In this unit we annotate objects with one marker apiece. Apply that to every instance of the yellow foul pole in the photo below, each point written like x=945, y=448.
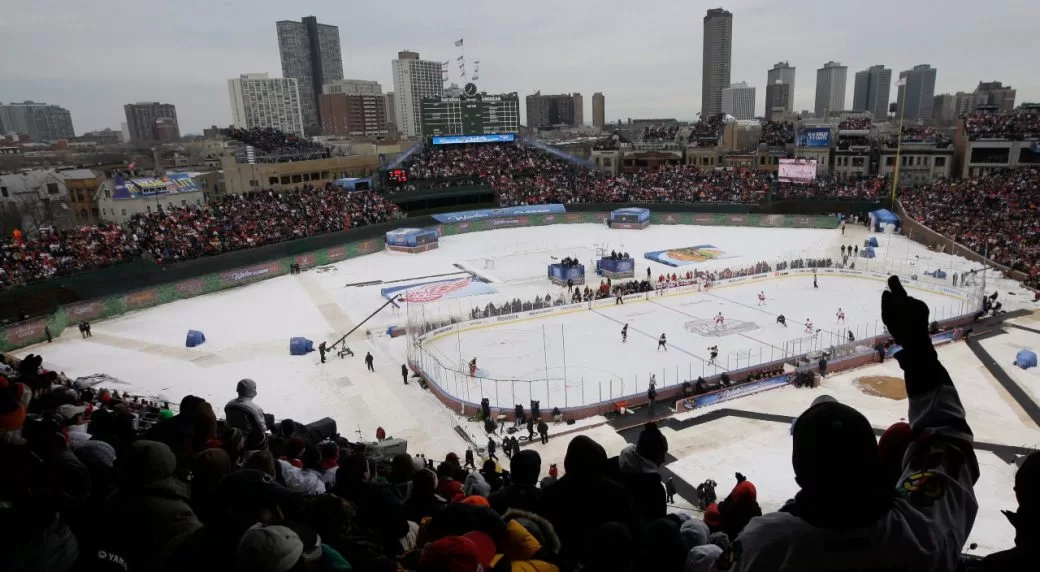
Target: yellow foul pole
x=899, y=149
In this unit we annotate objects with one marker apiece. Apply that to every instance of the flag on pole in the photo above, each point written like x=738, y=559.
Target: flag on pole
x=459, y=59
x=901, y=82
x=458, y=43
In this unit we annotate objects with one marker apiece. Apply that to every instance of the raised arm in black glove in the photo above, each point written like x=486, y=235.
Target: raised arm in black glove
x=907, y=321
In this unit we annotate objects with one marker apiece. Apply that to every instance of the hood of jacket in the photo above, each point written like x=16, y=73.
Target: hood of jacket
x=633, y=463
x=522, y=550
x=537, y=526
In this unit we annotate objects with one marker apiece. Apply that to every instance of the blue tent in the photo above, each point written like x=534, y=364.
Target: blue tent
x=867, y=252
x=1025, y=359
x=882, y=217
x=300, y=346
x=194, y=338
x=872, y=241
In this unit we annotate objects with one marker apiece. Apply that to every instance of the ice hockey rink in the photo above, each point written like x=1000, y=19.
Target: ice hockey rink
x=248, y=331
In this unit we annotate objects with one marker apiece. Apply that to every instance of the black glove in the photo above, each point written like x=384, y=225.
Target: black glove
x=905, y=317
x=740, y=478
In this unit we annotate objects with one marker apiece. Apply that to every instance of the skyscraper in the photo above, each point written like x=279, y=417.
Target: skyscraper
x=142, y=119
x=943, y=107
x=311, y=55
x=40, y=121
x=549, y=110
x=918, y=94
x=782, y=72
x=414, y=79
x=738, y=100
x=997, y=94
x=598, y=115
x=830, y=88
x=778, y=95
x=260, y=101
x=872, y=89
x=390, y=105
x=718, y=49
x=353, y=107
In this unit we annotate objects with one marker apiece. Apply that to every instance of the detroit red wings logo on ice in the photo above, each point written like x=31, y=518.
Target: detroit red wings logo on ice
x=432, y=292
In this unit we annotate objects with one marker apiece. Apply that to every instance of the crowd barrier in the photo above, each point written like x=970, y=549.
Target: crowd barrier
x=463, y=392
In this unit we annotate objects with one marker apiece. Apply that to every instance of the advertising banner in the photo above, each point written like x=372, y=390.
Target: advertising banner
x=819, y=137
x=459, y=217
x=734, y=392
x=336, y=253
x=687, y=255
x=797, y=171
x=25, y=333
x=507, y=222
x=305, y=260
x=463, y=139
x=249, y=273
x=141, y=299
x=85, y=311
x=189, y=288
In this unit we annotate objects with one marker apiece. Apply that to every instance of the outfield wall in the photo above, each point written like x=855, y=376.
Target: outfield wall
x=33, y=330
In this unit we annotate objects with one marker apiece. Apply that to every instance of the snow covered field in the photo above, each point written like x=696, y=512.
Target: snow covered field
x=248, y=331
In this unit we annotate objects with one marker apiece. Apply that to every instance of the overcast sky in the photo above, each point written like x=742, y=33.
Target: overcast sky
x=645, y=56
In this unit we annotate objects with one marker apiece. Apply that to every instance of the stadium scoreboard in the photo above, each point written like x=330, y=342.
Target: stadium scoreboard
x=470, y=114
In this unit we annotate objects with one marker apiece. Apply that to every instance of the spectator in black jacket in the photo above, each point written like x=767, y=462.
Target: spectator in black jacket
x=1026, y=520
x=584, y=498
x=378, y=508
x=523, y=492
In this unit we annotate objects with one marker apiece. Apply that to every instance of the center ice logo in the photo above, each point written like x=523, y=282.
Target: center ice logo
x=708, y=329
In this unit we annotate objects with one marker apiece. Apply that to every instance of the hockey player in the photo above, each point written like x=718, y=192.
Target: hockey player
x=814, y=284
x=662, y=342
x=851, y=337
x=781, y=320
x=720, y=320
x=714, y=355
x=473, y=367
x=841, y=316
x=808, y=325
x=624, y=334
x=762, y=298
x=653, y=379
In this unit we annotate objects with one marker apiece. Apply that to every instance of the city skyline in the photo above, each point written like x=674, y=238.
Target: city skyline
x=647, y=79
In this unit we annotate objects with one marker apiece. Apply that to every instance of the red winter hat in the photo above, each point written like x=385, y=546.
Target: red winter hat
x=744, y=492
x=14, y=398
x=712, y=517
x=471, y=552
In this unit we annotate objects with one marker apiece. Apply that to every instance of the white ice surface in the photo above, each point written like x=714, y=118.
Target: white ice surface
x=248, y=331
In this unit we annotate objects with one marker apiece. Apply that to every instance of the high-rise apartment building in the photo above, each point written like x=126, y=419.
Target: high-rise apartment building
x=738, y=100
x=414, y=79
x=142, y=120
x=598, y=112
x=261, y=101
x=778, y=95
x=549, y=110
x=717, y=53
x=353, y=107
x=966, y=102
x=40, y=121
x=830, y=88
x=782, y=73
x=390, y=106
x=917, y=93
x=944, y=108
x=871, y=91
x=311, y=55
x=353, y=87
x=997, y=94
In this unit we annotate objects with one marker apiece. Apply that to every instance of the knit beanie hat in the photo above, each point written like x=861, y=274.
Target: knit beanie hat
x=525, y=467
x=835, y=450
x=268, y=549
x=694, y=533
x=652, y=444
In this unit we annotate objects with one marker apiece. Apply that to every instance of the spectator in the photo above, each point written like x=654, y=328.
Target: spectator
x=378, y=509
x=522, y=493
x=266, y=548
x=1026, y=520
x=243, y=413
x=575, y=504
x=838, y=468
x=423, y=501
x=637, y=469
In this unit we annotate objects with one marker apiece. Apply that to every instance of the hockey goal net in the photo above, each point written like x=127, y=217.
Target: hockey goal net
x=489, y=263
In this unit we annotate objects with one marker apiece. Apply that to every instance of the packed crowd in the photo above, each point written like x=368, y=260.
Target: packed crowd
x=659, y=134
x=272, y=140
x=854, y=123
x=707, y=128
x=829, y=187
x=234, y=222
x=1018, y=125
x=777, y=133
x=997, y=215
x=86, y=486
x=229, y=223
x=61, y=253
